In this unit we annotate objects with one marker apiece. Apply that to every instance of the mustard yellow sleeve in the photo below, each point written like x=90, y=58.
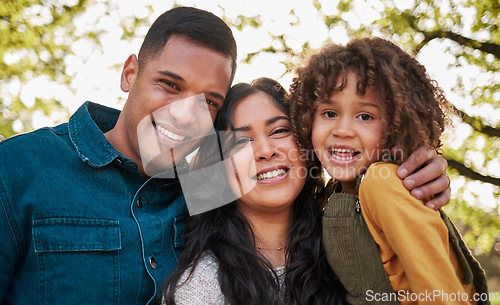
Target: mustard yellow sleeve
x=412, y=239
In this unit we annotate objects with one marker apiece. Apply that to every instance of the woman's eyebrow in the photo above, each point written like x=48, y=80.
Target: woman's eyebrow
x=276, y=118
x=243, y=128
x=267, y=123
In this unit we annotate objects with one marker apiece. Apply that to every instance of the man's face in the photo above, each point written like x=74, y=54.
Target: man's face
x=172, y=102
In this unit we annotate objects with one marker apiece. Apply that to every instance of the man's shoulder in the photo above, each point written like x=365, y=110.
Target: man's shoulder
x=29, y=153
x=36, y=139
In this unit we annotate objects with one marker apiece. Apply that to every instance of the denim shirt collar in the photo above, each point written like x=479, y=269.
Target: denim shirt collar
x=86, y=131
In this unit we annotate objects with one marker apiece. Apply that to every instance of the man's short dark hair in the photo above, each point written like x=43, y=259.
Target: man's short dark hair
x=199, y=25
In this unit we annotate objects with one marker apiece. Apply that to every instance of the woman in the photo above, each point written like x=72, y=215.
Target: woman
x=265, y=247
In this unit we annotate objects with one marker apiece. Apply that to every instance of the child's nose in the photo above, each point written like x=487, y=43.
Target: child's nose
x=343, y=127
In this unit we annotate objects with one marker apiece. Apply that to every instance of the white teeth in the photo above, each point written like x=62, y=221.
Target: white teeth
x=343, y=158
x=271, y=174
x=169, y=134
x=342, y=150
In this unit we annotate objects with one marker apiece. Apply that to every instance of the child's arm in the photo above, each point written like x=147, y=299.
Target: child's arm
x=413, y=240
x=430, y=180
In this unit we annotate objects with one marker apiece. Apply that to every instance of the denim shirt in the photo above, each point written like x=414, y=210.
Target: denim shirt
x=78, y=224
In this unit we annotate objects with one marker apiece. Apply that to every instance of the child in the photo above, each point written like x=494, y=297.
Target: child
x=352, y=104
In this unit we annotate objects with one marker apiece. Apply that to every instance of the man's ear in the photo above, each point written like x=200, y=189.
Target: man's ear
x=129, y=73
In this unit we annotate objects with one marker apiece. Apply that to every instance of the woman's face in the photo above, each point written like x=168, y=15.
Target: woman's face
x=269, y=171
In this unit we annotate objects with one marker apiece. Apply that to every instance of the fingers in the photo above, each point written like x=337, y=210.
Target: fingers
x=439, y=187
x=418, y=158
x=431, y=180
x=428, y=175
x=440, y=200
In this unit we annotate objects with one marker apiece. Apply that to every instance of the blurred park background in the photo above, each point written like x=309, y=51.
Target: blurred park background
x=56, y=54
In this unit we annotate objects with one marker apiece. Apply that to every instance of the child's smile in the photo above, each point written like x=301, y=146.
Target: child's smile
x=347, y=132
x=344, y=154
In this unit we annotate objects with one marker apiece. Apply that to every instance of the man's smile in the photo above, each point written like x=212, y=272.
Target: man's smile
x=169, y=134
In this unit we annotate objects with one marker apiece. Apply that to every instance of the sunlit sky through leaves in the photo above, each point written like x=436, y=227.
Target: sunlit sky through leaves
x=95, y=70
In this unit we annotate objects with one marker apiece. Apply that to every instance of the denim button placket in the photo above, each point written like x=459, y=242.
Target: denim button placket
x=152, y=262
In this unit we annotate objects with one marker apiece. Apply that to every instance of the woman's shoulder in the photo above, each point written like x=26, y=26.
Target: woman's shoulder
x=208, y=260
x=206, y=269
x=200, y=284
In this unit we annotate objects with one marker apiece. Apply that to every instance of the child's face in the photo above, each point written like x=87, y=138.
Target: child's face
x=347, y=132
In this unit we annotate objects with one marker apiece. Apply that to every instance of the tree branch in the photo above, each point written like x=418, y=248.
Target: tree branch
x=477, y=125
x=486, y=47
x=469, y=173
x=427, y=38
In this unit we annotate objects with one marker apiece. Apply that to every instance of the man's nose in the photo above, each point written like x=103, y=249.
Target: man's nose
x=184, y=112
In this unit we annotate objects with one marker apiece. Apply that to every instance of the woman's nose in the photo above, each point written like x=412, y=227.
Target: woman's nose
x=264, y=149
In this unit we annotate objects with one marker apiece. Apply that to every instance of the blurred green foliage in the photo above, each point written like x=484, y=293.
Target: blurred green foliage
x=35, y=37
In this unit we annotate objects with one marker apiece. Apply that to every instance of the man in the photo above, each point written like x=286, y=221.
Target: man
x=81, y=220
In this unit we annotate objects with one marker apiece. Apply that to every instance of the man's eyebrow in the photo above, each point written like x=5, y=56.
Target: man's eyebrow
x=267, y=123
x=216, y=95
x=179, y=78
x=172, y=75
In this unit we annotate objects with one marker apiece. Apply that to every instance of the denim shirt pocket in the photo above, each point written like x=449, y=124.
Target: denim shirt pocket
x=178, y=229
x=78, y=260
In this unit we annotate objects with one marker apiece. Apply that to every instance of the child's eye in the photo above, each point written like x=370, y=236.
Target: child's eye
x=329, y=114
x=365, y=117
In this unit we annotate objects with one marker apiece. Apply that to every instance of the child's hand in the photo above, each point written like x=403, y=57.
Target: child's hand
x=429, y=179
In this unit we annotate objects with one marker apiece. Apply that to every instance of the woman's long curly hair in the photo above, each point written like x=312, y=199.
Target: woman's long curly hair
x=415, y=111
x=245, y=276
